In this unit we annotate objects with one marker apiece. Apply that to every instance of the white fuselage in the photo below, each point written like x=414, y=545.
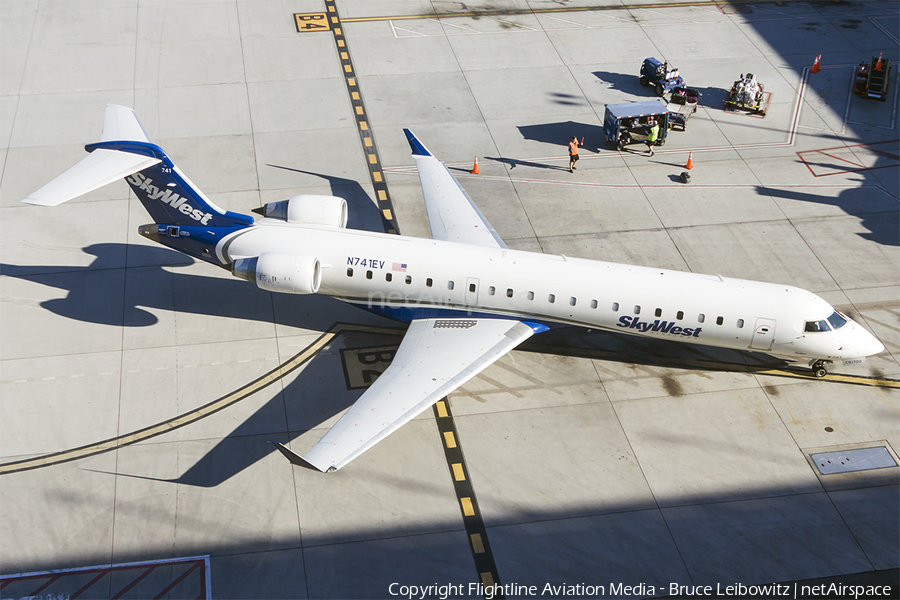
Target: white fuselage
x=397, y=272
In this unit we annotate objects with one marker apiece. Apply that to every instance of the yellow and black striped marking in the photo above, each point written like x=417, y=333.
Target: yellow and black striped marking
x=481, y=549
x=376, y=174
x=468, y=504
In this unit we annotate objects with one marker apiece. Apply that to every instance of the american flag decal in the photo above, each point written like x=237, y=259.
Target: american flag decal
x=399, y=267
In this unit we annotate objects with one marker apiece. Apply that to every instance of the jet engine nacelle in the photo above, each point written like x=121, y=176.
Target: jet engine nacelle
x=309, y=210
x=286, y=273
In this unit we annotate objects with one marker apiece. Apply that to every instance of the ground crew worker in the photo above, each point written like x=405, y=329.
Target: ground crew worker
x=653, y=135
x=573, y=153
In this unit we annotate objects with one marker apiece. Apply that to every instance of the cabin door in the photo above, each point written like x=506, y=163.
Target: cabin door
x=471, y=291
x=763, y=335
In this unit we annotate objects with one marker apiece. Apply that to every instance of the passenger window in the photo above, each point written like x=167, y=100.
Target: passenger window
x=408, y=279
x=740, y=323
x=593, y=304
x=637, y=309
x=388, y=276
x=719, y=320
x=492, y=290
x=572, y=301
x=531, y=295
x=701, y=317
x=615, y=307
x=837, y=320
x=349, y=271
x=368, y=274
x=658, y=312
x=449, y=285
x=551, y=298
x=509, y=293
x=471, y=287
x=679, y=315
x=428, y=282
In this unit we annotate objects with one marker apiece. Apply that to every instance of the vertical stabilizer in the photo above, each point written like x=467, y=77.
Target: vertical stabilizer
x=121, y=123
x=126, y=151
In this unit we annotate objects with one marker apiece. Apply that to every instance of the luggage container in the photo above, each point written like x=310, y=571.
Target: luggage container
x=629, y=123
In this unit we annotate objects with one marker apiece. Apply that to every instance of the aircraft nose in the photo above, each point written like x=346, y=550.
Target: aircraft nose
x=866, y=343
x=874, y=346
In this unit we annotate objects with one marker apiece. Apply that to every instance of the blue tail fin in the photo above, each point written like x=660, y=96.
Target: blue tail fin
x=167, y=193
x=126, y=150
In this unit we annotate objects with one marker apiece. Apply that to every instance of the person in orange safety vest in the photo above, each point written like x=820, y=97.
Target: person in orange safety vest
x=573, y=153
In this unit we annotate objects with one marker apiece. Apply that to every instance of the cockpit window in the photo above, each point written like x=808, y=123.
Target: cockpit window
x=837, y=320
x=813, y=326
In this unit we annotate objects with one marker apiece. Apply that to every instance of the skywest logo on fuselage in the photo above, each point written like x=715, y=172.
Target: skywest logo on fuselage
x=658, y=326
x=169, y=197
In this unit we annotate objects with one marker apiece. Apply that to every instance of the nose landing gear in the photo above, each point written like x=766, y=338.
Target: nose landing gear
x=818, y=368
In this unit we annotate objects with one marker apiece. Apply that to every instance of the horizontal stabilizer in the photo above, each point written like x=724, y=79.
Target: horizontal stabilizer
x=97, y=169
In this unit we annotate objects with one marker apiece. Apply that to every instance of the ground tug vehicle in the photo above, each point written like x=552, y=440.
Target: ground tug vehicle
x=660, y=76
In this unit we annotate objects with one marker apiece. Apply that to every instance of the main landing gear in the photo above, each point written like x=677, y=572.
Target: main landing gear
x=818, y=368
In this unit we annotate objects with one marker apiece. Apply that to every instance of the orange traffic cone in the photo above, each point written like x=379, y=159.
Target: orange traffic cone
x=816, y=64
x=475, y=168
x=878, y=66
x=690, y=162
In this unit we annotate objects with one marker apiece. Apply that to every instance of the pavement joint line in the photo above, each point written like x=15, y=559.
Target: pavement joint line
x=298, y=360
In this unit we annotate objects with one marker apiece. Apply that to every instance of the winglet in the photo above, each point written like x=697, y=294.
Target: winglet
x=418, y=149
x=294, y=458
x=536, y=327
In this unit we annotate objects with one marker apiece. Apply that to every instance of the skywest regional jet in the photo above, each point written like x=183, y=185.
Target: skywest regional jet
x=467, y=297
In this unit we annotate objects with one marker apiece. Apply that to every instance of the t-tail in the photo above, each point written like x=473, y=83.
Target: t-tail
x=179, y=209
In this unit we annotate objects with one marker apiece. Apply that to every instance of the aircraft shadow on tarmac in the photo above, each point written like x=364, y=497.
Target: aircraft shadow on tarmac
x=320, y=391
x=153, y=287
x=877, y=210
x=866, y=205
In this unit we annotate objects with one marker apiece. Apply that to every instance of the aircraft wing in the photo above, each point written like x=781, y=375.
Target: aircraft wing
x=452, y=215
x=435, y=357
